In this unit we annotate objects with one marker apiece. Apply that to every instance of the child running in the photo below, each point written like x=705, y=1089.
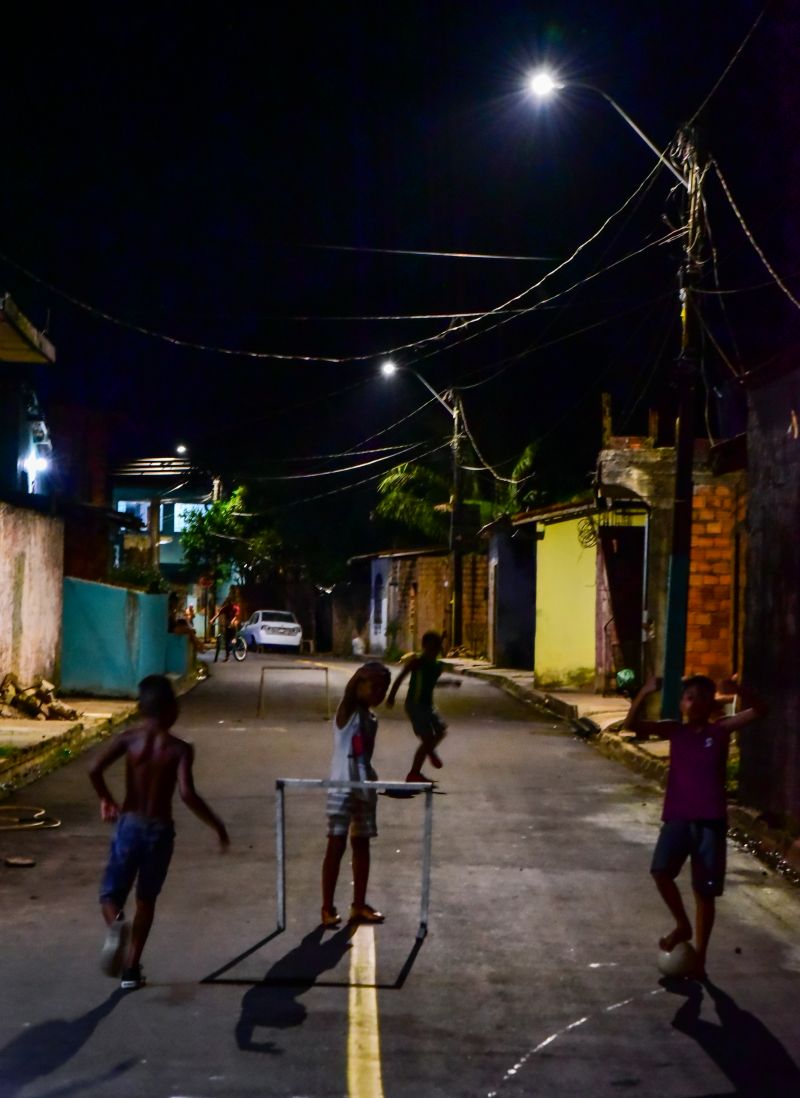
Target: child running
x=425, y=670
x=353, y=810
x=155, y=762
x=695, y=811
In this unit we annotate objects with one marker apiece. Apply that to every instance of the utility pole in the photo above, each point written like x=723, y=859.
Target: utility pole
x=457, y=528
x=686, y=374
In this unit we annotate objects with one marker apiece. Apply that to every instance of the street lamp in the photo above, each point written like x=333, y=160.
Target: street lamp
x=450, y=402
x=544, y=84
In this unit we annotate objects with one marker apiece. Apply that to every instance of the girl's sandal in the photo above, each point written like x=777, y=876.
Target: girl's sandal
x=365, y=914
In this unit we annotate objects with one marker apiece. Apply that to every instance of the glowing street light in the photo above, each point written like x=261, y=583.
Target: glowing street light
x=450, y=402
x=389, y=368
x=181, y=449
x=543, y=84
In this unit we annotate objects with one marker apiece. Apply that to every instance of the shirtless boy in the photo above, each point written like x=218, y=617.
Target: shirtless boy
x=155, y=762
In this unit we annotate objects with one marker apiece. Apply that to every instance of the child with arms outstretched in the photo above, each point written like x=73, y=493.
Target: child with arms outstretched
x=695, y=812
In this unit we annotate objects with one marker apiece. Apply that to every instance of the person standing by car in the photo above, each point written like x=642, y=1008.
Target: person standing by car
x=229, y=615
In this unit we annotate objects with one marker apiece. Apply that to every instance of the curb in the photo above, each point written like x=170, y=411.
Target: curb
x=36, y=760
x=554, y=706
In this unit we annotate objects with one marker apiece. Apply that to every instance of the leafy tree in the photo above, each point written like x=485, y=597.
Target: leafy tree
x=417, y=497
x=226, y=534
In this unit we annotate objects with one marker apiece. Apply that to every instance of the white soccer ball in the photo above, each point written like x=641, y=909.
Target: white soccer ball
x=680, y=961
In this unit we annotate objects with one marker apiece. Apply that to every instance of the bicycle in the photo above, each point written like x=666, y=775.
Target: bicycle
x=238, y=647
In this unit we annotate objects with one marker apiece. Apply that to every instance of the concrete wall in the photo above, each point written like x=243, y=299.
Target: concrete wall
x=112, y=638
x=31, y=576
x=566, y=583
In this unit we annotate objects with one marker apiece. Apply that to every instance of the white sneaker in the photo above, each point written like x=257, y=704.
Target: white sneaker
x=114, y=946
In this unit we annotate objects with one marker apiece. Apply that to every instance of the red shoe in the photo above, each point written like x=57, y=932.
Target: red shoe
x=435, y=760
x=417, y=776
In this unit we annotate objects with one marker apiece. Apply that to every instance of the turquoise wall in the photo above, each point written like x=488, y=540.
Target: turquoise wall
x=179, y=654
x=112, y=638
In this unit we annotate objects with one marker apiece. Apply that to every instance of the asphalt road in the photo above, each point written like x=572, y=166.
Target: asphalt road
x=537, y=977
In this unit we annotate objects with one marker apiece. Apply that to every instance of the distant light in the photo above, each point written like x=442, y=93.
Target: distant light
x=180, y=449
x=388, y=368
x=543, y=83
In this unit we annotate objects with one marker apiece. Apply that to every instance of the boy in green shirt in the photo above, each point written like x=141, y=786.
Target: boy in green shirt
x=425, y=670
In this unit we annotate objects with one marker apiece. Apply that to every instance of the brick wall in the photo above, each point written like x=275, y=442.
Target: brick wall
x=420, y=600
x=475, y=614
x=714, y=629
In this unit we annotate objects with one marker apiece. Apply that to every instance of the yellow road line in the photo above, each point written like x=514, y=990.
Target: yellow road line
x=364, y=1078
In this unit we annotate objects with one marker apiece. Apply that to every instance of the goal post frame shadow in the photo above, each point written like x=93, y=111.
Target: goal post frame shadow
x=301, y=665
x=409, y=788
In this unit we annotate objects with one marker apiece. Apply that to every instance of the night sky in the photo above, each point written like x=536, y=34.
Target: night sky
x=181, y=169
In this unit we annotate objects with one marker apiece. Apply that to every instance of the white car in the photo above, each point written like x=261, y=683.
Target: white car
x=272, y=629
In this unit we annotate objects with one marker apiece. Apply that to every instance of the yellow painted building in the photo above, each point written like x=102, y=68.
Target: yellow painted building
x=566, y=586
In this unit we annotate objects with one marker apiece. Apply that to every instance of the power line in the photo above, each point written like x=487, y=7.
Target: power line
x=481, y=458
x=345, y=469
x=344, y=453
x=730, y=64
x=186, y=344
x=674, y=235
x=441, y=255
x=358, y=483
x=745, y=229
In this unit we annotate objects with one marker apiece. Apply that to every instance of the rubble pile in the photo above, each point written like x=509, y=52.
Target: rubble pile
x=37, y=702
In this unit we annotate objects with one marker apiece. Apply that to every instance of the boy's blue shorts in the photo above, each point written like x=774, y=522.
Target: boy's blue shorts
x=425, y=720
x=141, y=850
x=704, y=841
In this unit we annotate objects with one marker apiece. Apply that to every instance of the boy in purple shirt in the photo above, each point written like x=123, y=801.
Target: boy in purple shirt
x=695, y=811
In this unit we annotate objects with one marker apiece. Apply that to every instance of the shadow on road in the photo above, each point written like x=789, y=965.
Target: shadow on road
x=43, y=1049
x=741, y=1046
x=274, y=1003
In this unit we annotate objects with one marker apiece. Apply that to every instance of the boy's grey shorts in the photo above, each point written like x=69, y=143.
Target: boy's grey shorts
x=425, y=720
x=355, y=815
x=704, y=841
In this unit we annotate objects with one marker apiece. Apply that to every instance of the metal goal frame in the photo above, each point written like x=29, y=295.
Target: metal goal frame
x=282, y=784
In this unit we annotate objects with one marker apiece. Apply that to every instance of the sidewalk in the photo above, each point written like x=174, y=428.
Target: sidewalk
x=600, y=721
x=32, y=748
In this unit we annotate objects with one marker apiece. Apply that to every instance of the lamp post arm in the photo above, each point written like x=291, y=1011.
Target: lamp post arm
x=450, y=411
x=639, y=132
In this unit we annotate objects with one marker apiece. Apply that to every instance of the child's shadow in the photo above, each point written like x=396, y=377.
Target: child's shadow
x=741, y=1046
x=41, y=1050
x=273, y=1004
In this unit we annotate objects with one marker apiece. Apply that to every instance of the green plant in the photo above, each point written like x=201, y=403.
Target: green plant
x=139, y=577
